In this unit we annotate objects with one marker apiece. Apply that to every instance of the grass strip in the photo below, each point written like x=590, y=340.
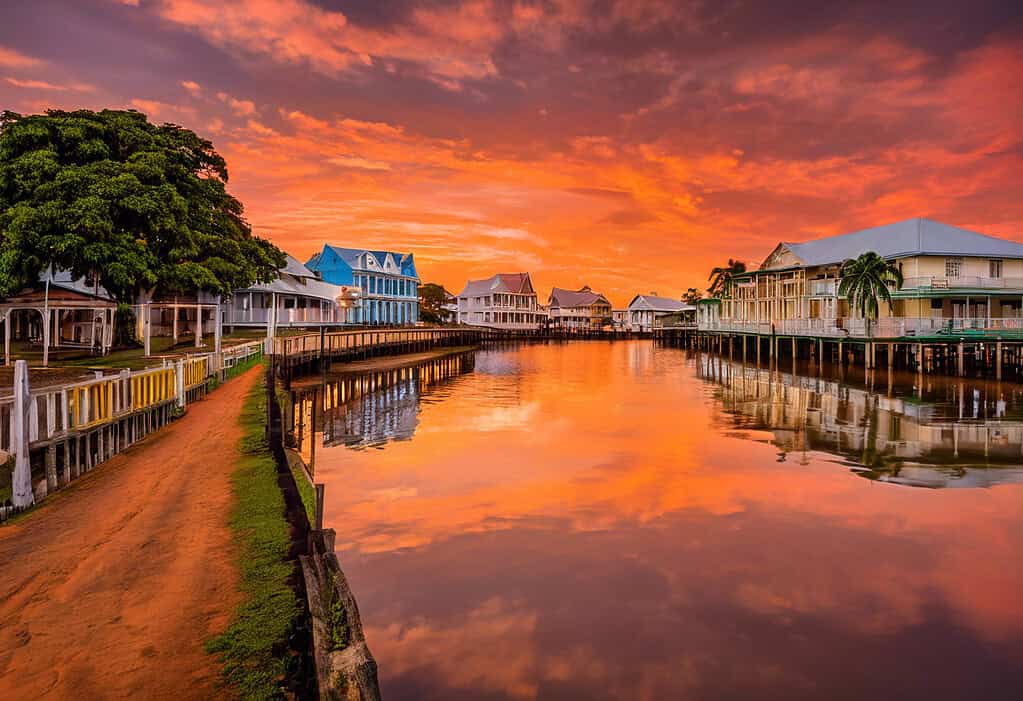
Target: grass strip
x=254, y=649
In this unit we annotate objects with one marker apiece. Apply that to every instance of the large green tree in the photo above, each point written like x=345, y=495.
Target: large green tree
x=138, y=205
x=432, y=298
x=866, y=281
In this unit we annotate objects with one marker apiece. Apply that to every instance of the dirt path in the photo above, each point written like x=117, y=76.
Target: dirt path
x=111, y=590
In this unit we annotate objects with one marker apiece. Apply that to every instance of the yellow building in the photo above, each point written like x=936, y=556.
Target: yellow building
x=954, y=281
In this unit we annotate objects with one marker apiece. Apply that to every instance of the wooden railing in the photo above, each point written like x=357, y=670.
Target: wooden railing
x=337, y=342
x=58, y=413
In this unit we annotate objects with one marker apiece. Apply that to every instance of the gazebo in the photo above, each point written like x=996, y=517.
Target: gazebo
x=58, y=312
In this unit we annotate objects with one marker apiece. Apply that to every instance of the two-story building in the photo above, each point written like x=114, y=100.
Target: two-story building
x=953, y=279
x=387, y=281
x=505, y=301
x=581, y=309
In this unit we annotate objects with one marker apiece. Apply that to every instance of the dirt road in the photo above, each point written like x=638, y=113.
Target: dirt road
x=111, y=590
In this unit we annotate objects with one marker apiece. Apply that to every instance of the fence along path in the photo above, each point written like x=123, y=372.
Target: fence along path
x=80, y=425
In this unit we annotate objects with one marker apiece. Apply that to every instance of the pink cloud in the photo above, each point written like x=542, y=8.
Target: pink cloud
x=9, y=58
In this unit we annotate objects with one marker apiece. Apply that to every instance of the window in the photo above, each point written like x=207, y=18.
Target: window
x=994, y=268
x=953, y=267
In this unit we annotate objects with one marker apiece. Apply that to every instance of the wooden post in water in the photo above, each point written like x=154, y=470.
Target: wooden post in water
x=318, y=518
x=998, y=360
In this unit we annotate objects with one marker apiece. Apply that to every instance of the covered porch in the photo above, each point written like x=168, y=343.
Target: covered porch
x=48, y=317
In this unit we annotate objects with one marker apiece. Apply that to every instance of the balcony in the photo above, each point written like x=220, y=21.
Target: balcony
x=963, y=282
x=823, y=288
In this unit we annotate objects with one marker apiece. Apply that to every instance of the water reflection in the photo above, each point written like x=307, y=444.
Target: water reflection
x=592, y=521
x=369, y=409
x=934, y=432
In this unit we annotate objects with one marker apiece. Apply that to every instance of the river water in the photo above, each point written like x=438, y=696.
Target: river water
x=622, y=521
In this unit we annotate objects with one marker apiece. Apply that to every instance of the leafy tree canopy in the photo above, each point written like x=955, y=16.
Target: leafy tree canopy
x=432, y=298
x=721, y=277
x=141, y=206
x=866, y=281
x=692, y=296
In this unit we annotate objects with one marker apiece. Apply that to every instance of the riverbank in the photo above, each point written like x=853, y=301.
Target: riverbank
x=263, y=648
x=112, y=585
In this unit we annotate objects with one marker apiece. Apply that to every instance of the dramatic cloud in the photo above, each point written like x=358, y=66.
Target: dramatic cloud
x=629, y=146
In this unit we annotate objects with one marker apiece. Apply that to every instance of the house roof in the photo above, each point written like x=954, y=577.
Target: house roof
x=659, y=304
x=63, y=279
x=350, y=255
x=293, y=267
x=514, y=283
x=297, y=279
x=911, y=237
x=575, y=298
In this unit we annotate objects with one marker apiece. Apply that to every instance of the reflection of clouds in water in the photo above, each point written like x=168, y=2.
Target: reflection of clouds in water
x=634, y=552
x=486, y=650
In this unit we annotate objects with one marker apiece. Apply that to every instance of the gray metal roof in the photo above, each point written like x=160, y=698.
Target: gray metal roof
x=659, y=304
x=911, y=237
x=293, y=267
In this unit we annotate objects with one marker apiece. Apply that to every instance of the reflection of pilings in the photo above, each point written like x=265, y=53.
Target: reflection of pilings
x=373, y=405
x=963, y=422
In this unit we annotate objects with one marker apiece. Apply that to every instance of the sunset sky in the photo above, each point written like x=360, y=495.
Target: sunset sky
x=629, y=146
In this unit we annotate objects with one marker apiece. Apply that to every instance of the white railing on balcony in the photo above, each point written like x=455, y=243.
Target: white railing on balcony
x=962, y=282
x=823, y=288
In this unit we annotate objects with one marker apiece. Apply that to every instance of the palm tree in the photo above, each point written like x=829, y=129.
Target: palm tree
x=721, y=277
x=865, y=281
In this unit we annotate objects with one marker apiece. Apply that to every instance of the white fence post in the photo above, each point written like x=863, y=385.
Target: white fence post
x=21, y=483
x=179, y=382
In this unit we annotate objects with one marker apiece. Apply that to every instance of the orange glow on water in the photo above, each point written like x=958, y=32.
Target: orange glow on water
x=552, y=484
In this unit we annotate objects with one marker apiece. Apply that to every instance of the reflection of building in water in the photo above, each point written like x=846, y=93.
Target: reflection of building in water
x=945, y=437
x=371, y=408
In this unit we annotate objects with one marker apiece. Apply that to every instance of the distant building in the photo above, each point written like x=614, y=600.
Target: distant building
x=578, y=309
x=620, y=319
x=953, y=279
x=505, y=301
x=387, y=281
x=296, y=298
x=647, y=311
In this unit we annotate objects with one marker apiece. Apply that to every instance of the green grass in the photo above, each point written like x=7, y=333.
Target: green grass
x=6, y=479
x=305, y=490
x=254, y=649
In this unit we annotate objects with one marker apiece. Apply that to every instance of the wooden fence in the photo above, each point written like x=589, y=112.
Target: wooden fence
x=84, y=423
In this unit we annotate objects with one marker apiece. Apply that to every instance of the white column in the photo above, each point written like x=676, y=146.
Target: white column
x=46, y=337
x=21, y=481
x=217, y=332
x=198, y=325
